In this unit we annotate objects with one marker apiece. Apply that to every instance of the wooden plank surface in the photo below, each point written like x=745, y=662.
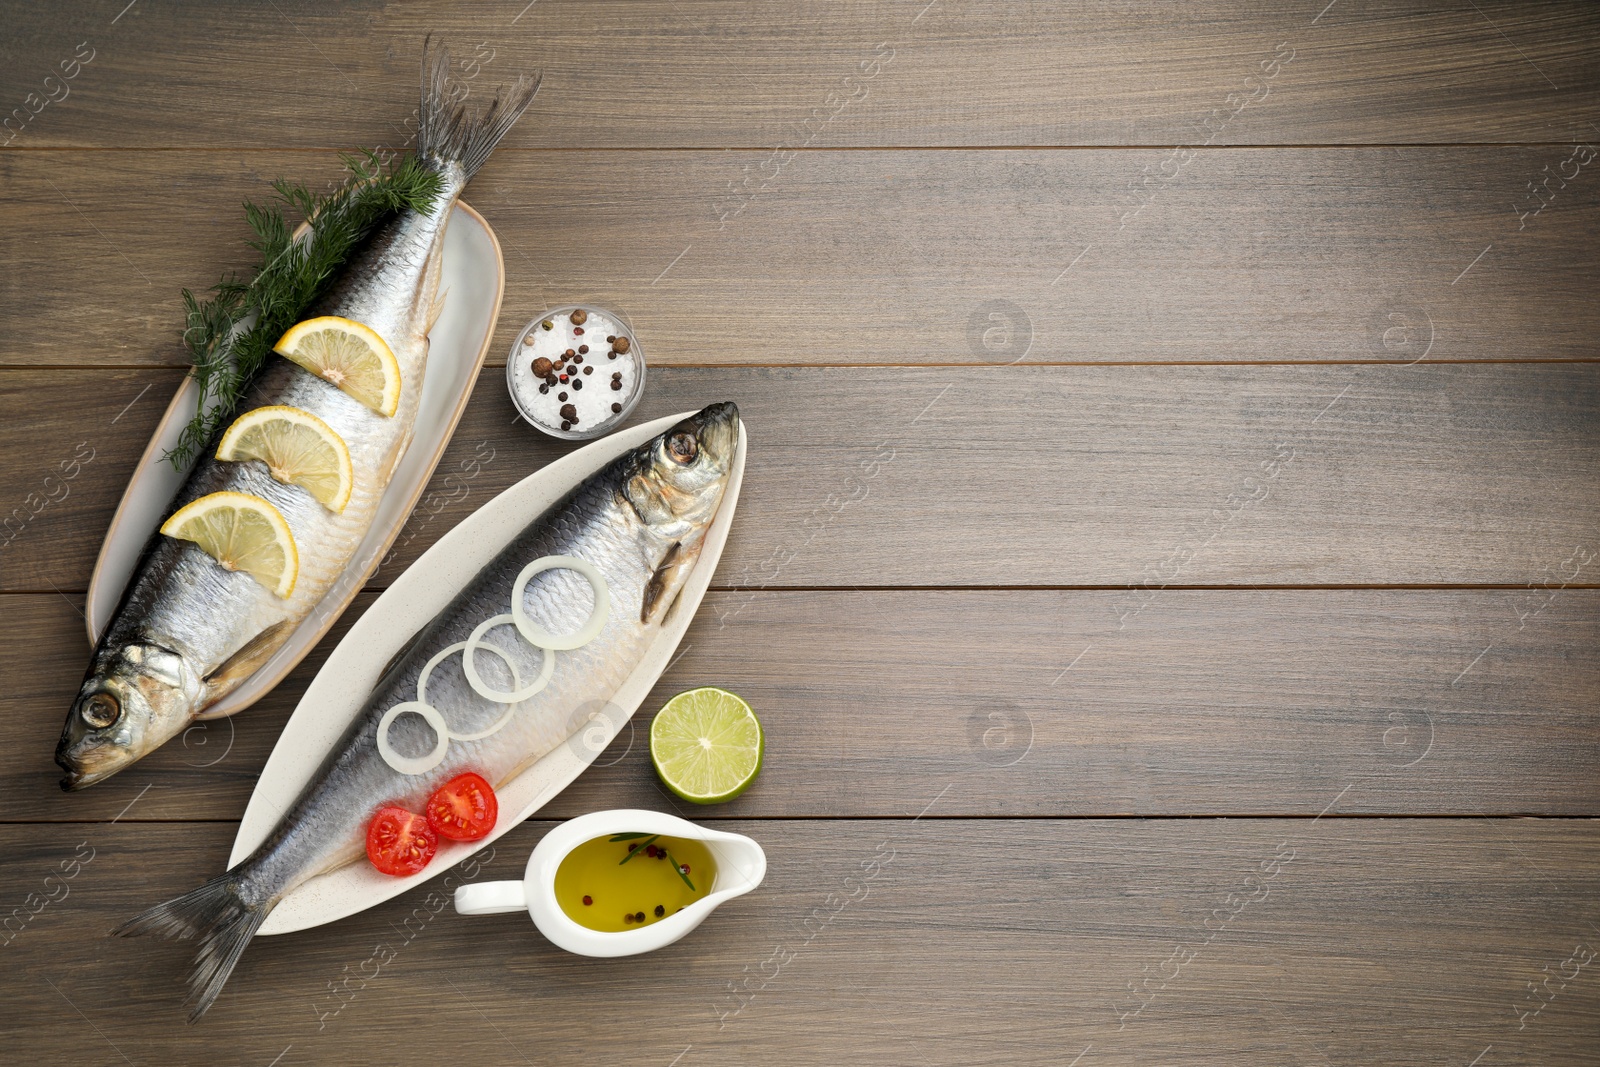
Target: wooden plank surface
x=969, y=257
x=1183, y=657
x=702, y=73
x=966, y=942
x=1029, y=703
x=1082, y=476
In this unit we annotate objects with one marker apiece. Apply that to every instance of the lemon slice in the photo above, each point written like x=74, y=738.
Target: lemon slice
x=347, y=354
x=706, y=745
x=298, y=449
x=243, y=533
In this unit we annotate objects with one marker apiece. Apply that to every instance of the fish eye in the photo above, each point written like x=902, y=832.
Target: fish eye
x=683, y=447
x=101, y=710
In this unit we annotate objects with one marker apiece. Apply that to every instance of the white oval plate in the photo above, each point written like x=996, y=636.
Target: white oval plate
x=341, y=687
x=474, y=278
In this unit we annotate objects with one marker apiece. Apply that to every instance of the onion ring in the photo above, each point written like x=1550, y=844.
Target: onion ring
x=405, y=764
x=547, y=666
x=460, y=646
x=535, y=634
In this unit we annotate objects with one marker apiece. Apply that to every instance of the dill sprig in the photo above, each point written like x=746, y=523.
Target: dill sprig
x=230, y=335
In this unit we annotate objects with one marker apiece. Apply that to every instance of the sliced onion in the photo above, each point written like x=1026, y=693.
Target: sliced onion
x=547, y=666
x=538, y=635
x=461, y=646
x=404, y=764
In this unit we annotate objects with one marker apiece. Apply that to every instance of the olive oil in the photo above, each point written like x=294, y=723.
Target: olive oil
x=625, y=881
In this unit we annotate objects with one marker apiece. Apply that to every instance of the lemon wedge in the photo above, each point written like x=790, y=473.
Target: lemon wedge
x=298, y=449
x=243, y=533
x=349, y=355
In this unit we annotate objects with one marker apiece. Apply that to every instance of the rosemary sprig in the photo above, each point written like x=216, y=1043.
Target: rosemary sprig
x=230, y=334
x=678, y=869
x=638, y=850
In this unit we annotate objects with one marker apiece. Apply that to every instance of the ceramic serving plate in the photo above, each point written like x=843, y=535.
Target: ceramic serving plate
x=336, y=695
x=474, y=281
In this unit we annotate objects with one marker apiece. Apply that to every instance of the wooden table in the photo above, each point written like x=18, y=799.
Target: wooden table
x=1176, y=566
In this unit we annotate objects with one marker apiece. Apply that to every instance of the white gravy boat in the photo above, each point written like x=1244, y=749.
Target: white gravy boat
x=741, y=865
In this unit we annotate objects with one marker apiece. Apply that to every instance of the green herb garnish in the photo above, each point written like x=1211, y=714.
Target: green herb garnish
x=230, y=335
x=639, y=850
x=636, y=850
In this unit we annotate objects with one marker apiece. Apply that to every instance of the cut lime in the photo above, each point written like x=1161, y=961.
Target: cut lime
x=706, y=745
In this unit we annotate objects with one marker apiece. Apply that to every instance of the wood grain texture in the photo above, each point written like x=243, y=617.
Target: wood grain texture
x=965, y=942
x=1059, y=435
x=621, y=73
x=1081, y=476
x=864, y=257
x=1014, y=703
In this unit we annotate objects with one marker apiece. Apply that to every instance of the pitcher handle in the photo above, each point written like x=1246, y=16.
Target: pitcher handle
x=491, y=898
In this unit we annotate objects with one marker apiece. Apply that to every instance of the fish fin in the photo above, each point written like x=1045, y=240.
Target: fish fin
x=660, y=598
x=436, y=310
x=447, y=132
x=223, y=920
x=664, y=582
x=252, y=654
x=405, y=650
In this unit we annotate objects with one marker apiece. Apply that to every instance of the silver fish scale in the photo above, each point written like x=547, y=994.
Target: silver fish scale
x=182, y=599
x=327, y=825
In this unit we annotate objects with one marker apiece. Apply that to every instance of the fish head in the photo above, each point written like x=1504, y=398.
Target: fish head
x=135, y=697
x=680, y=475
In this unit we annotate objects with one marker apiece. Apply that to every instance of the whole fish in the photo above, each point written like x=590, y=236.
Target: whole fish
x=188, y=631
x=640, y=522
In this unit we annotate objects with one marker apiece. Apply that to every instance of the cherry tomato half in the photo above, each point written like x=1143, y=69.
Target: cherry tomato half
x=400, y=842
x=464, y=808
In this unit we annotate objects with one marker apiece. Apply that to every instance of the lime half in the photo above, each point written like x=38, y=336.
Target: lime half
x=706, y=745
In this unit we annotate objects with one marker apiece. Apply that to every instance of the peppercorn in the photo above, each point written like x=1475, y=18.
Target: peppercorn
x=609, y=338
x=583, y=350
x=563, y=377
x=569, y=412
x=616, y=384
x=541, y=367
x=588, y=370
x=547, y=324
x=683, y=868
x=650, y=850
x=621, y=344
x=628, y=919
x=579, y=317
x=587, y=900
x=578, y=330
x=639, y=918
x=561, y=396
x=543, y=388
x=611, y=355
x=577, y=383
x=566, y=425
x=661, y=910
x=569, y=353
x=616, y=409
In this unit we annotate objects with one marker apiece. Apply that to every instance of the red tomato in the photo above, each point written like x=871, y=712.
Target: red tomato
x=400, y=841
x=464, y=808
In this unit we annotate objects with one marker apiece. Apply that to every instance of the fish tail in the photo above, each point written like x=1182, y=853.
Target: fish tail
x=221, y=917
x=447, y=132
